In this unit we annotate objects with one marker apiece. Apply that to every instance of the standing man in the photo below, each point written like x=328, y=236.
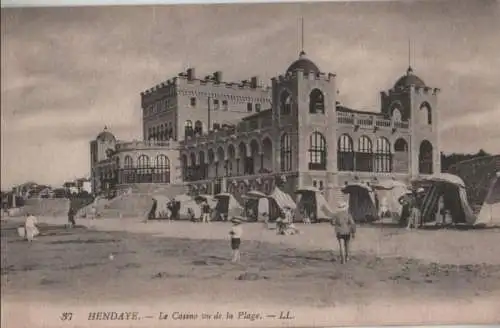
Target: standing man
x=345, y=228
x=71, y=217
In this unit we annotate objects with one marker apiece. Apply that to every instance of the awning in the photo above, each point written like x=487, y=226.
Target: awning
x=444, y=177
x=255, y=194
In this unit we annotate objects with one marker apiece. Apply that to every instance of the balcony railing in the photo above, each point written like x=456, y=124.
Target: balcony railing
x=369, y=121
x=146, y=144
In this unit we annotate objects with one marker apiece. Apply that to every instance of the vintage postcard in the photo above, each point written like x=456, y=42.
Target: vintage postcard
x=251, y=165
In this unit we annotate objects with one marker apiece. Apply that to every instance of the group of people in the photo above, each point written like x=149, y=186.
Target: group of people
x=342, y=221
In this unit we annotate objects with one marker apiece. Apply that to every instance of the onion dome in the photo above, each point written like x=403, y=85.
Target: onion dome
x=409, y=79
x=303, y=63
x=105, y=135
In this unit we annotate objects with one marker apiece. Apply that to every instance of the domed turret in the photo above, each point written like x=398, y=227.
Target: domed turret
x=303, y=63
x=409, y=79
x=105, y=135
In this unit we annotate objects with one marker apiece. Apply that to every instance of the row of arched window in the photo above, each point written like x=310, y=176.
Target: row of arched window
x=162, y=132
x=367, y=156
x=316, y=102
x=191, y=131
x=145, y=170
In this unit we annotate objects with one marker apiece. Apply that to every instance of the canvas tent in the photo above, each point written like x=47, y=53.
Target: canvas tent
x=227, y=205
x=255, y=205
x=312, y=202
x=282, y=199
x=452, y=190
x=389, y=192
x=363, y=201
x=258, y=204
x=187, y=202
x=211, y=201
x=490, y=211
x=161, y=210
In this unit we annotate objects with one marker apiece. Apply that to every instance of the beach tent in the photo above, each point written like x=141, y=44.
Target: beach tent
x=187, y=202
x=363, y=201
x=227, y=205
x=490, y=211
x=161, y=211
x=211, y=201
x=452, y=189
x=313, y=201
x=389, y=192
x=282, y=199
x=256, y=203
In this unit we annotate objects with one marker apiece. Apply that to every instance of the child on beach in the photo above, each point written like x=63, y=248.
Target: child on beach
x=345, y=229
x=236, y=233
x=30, y=227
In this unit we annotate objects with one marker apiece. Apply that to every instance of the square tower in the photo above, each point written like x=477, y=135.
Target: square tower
x=304, y=112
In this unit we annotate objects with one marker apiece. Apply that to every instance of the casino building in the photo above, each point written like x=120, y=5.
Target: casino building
x=213, y=136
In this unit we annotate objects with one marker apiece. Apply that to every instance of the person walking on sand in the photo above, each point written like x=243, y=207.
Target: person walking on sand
x=345, y=229
x=206, y=212
x=415, y=215
x=30, y=227
x=235, y=233
x=93, y=212
x=71, y=217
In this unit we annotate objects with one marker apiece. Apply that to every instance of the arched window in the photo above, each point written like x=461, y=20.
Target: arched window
x=156, y=133
x=128, y=173
x=188, y=129
x=202, y=167
x=117, y=170
x=401, y=145
x=162, y=132
x=426, y=110
x=383, y=156
x=170, y=131
x=364, y=155
x=185, y=168
x=286, y=153
x=317, y=152
x=396, y=115
x=285, y=103
x=198, y=128
x=345, y=153
x=316, y=102
x=143, y=169
x=162, y=169
x=425, y=158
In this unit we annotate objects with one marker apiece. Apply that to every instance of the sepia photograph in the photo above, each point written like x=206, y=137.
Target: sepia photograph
x=301, y=164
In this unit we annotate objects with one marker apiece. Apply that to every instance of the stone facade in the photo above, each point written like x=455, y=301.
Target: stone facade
x=238, y=137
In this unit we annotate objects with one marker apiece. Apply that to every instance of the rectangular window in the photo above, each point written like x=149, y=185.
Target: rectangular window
x=224, y=105
x=193, y=101
x=257, y=108
x=216, y=104
x=249, y=107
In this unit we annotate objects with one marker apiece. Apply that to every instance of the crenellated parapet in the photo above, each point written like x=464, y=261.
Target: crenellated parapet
x=300, y=74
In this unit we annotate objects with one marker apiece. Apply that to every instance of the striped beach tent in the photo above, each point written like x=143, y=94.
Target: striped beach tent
x=490, y=211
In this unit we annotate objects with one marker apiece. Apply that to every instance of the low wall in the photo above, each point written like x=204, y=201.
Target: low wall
x=45, y=207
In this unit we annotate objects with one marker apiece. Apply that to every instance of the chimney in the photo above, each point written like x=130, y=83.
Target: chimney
x=218, y=76
x=191, y=74
x=255, y=82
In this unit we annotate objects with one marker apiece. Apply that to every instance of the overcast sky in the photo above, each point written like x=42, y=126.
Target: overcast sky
x=67, y=72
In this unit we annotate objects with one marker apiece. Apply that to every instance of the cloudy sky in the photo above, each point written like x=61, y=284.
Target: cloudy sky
x=67, y=72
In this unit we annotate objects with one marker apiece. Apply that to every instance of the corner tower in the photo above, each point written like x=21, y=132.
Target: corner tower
x=411, y=99
x=304, y=111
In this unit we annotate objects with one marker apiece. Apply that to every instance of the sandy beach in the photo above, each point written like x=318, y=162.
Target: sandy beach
x=394, y=277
